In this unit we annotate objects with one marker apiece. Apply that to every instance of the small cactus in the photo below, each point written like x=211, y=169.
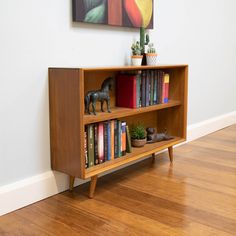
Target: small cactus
x=136, y=48
x=151, y=48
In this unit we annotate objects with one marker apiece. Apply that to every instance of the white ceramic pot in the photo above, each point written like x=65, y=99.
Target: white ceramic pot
x=136, y=60
x=151, y=59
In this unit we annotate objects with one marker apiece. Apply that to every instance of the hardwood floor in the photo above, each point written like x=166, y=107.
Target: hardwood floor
x=194, y=196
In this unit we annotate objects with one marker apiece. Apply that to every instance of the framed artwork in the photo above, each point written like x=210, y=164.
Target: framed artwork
x=125, y=13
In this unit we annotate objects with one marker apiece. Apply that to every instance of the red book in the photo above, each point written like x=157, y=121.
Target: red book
x=126, y=91
x=101, y=143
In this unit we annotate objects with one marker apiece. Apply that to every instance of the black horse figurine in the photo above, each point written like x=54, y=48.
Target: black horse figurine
x=99, y=95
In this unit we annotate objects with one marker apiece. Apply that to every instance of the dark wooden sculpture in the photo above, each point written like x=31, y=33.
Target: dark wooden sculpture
x=153, y=136
x=99, y=95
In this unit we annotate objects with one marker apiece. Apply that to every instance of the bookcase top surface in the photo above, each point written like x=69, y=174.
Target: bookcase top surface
x=115, y=68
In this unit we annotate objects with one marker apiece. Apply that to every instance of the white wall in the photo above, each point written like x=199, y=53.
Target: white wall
x=35, y=35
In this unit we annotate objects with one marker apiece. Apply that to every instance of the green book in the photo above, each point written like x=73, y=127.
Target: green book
x=128, y=140
x=90, y=145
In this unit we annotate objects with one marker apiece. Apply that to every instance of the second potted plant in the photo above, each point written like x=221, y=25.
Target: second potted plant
x=138, y=136
x=136, y=58
x=151, y=55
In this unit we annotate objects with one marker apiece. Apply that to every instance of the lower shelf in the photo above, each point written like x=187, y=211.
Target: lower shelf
x=137, y=153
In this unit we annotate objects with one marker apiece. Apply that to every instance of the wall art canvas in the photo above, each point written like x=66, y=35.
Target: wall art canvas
x=126, y=13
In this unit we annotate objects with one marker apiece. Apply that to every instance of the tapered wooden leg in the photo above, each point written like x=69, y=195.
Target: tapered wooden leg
x=72, y=181
x=170, y=150
x=153, y=158
x=93, y=186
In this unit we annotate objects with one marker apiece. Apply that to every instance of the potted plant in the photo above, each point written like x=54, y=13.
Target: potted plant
x=138, y=136
x=151, y=55
x=137, y=56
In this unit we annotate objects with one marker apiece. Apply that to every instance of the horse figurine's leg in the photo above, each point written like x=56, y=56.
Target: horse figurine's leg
x=89, y=112
x=102, y=106
x=94, y=107
x=108, y=105
x=86, y=104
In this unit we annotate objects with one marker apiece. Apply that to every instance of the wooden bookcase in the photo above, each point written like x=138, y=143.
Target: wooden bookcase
x=67, y=87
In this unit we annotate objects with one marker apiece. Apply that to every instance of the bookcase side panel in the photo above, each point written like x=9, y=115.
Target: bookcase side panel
x=66, y=123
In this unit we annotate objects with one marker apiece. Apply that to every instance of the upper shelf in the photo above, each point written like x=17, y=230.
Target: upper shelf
x=118, y=112
x=123, y=68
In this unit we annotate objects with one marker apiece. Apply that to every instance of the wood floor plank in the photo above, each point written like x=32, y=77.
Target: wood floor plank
x=196, y=195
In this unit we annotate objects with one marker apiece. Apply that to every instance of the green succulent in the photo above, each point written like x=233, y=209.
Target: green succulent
x=136, y=48
x=138, y=132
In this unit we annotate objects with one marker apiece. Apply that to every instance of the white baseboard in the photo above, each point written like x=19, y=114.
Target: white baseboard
x=203, y=128
x=25, y=192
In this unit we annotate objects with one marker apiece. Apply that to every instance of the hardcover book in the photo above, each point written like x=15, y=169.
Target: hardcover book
x=138, y=88
x=112, y=139
x=109, y=140
x=105, y=129
x=147, y=87
x=151, y=87
x=116, y=139
x=90, y=145
x=123, y=138
x=101, y=143
x=86, y=150
x=143, y=87
x=119, y=138
x=126, y=91
x=128, y=140
x=166, y=88
x=96, y=158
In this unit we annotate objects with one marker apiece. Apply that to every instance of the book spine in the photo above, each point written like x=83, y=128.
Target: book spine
x=162, y=88
x=123, y=138
x=105, y=130
x=147, y=92
x=155, y=87
x=143, y=83
x=119, y=138
x=85, y=150
x=112, y=139
x=151, y=87
x=109, y=140
x=158, y=86
x=96, y=158
x=101, y=143
x=128, y=140
x=166, y=81
x=115, y=138
x=138, y=83
x=90, y=145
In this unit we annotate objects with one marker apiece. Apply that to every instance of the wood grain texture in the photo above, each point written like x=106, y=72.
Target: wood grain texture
x=196, y=195
x=66, y=123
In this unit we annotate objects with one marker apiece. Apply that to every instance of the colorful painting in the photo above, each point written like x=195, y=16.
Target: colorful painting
x=127, y=13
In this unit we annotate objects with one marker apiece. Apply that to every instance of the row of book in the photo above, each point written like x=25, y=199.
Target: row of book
x=105, y=141
x=147, y=88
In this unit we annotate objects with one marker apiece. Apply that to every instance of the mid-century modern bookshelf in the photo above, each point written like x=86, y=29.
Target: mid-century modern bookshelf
x=67, y=88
